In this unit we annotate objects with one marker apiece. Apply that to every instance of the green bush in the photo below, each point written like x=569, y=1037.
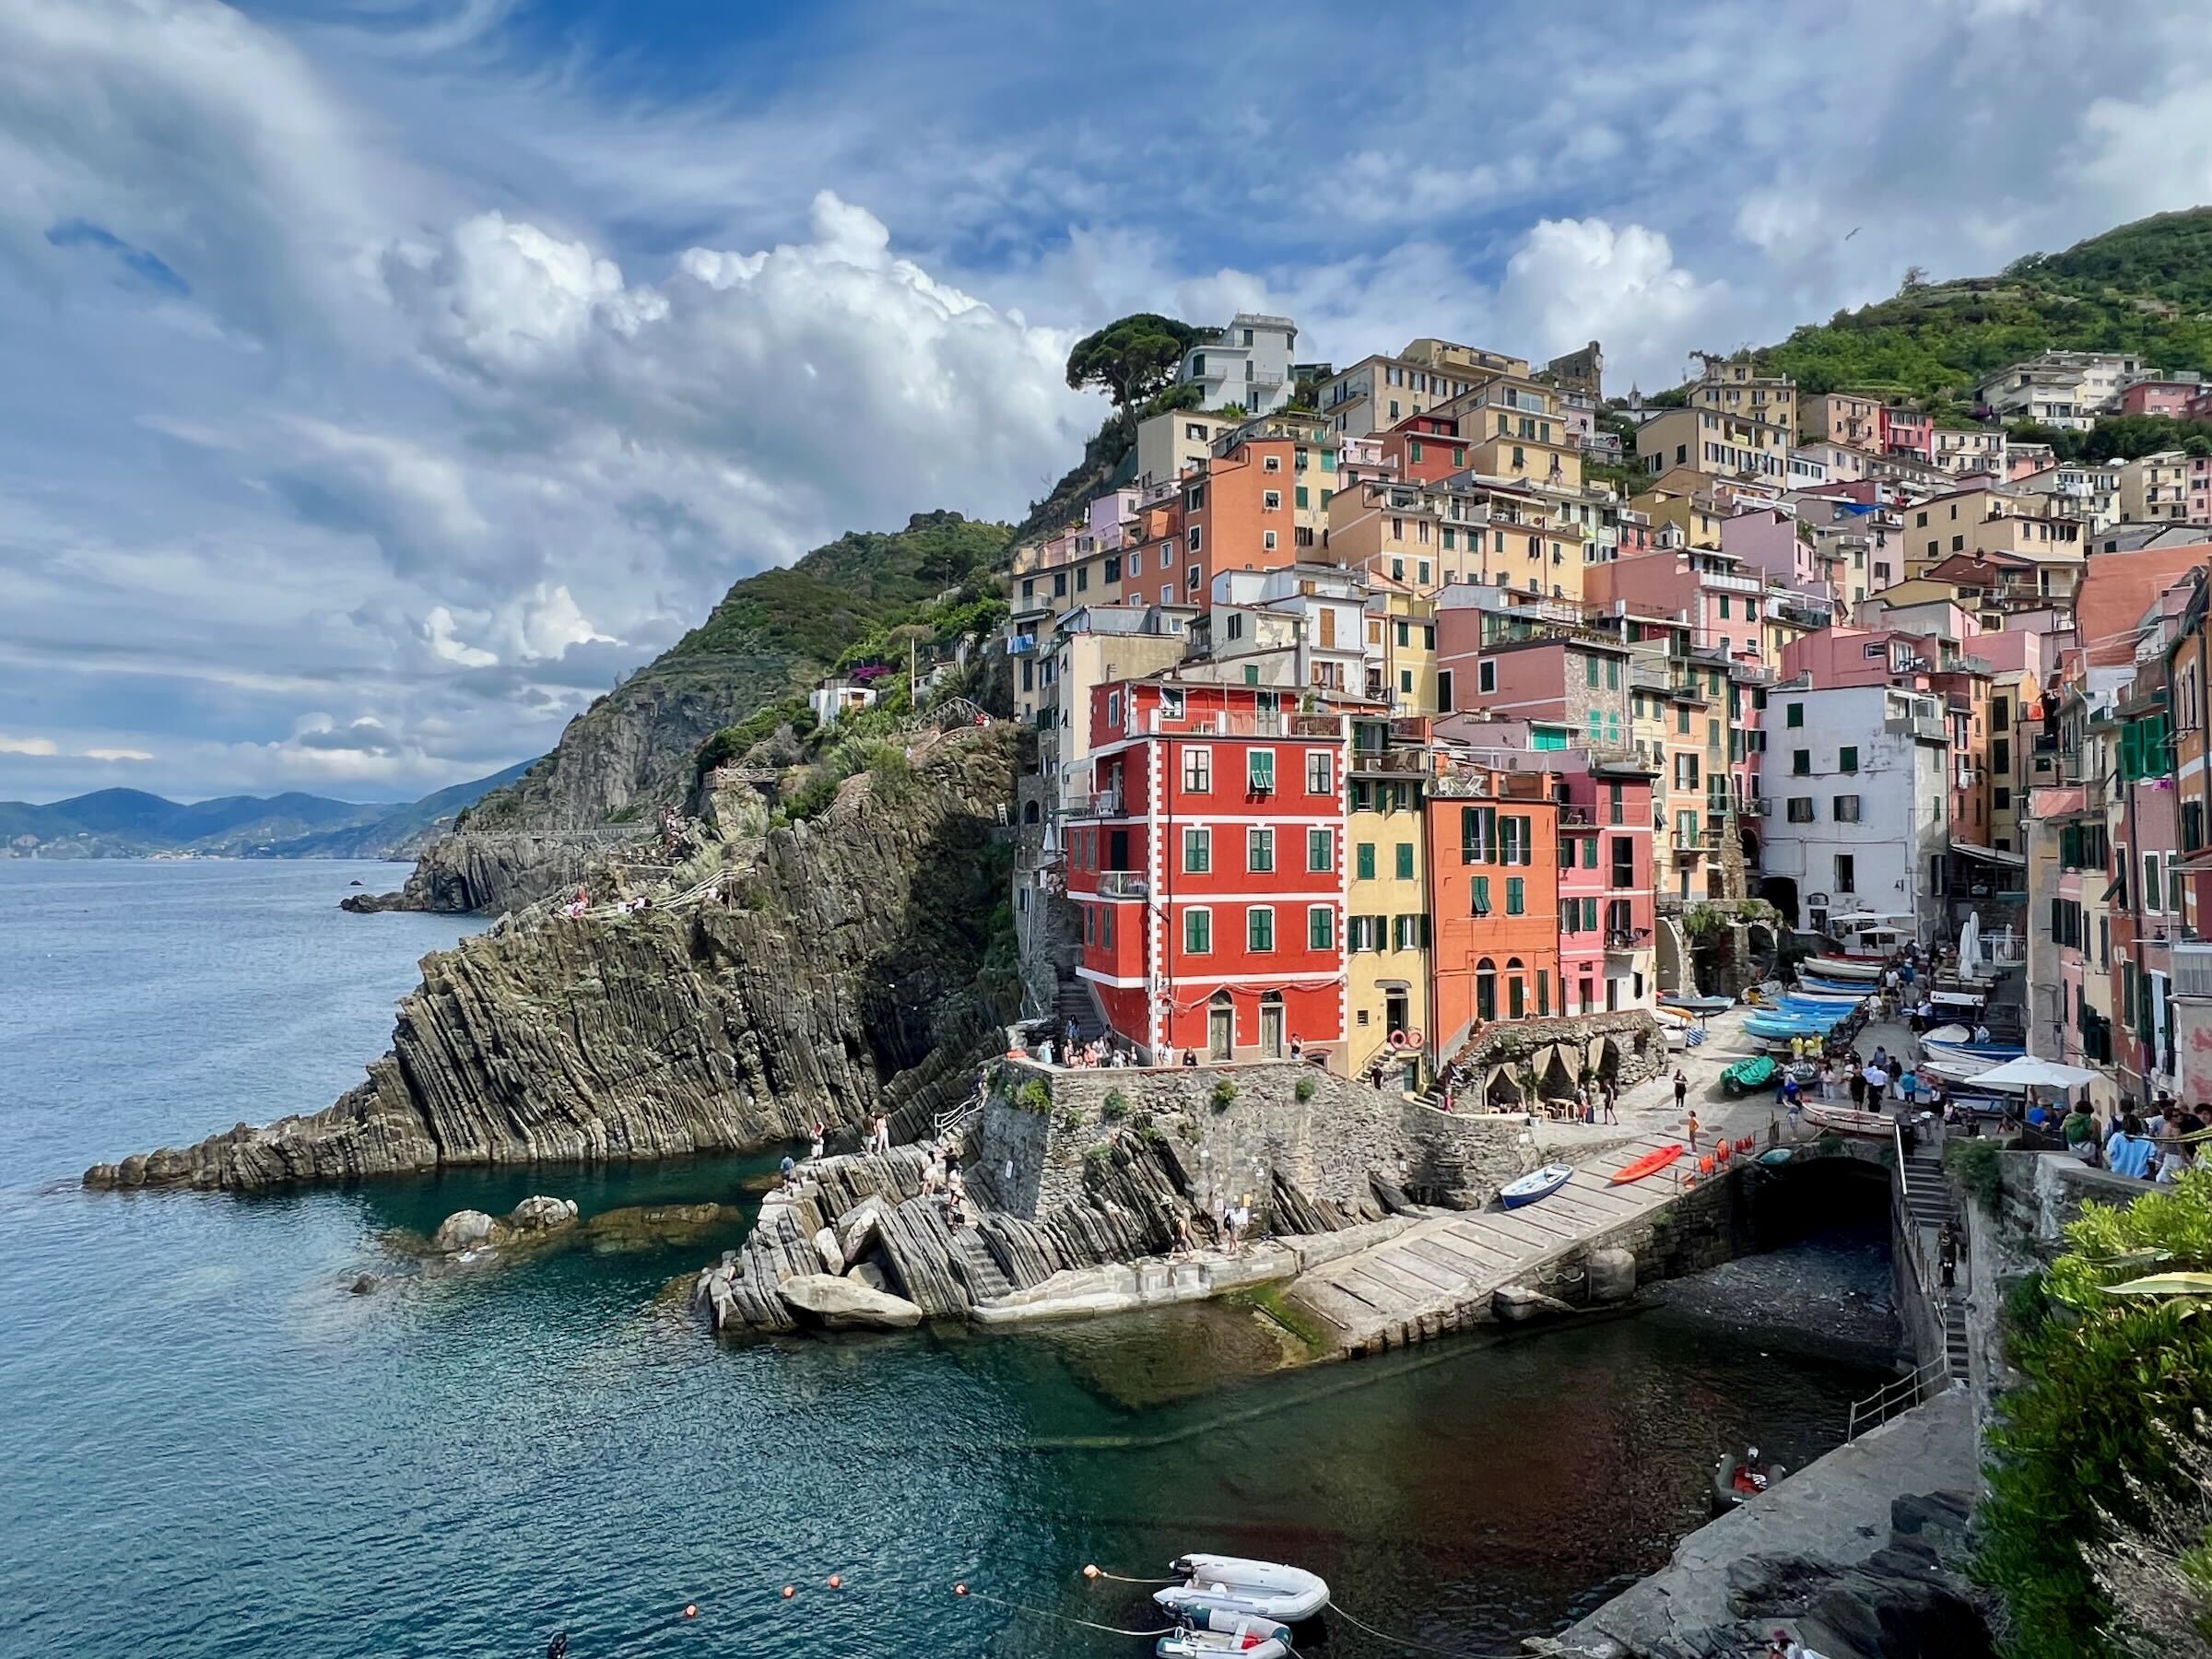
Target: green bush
x=1033, y=1095
x=1224, y=1095
x=1115, y=1107
x=1306, y=1089
x=2088, y=1448
x=1067, y=1120
x=1976, y=1163
x=1098, y=1153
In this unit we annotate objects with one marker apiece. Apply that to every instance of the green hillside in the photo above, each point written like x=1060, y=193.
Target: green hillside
x=770, y=638
x=2145, y=287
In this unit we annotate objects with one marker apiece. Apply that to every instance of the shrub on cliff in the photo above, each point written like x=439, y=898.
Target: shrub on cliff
x=2095, y=1449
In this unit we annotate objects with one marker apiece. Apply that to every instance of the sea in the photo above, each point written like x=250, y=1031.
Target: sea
x=210, y=1445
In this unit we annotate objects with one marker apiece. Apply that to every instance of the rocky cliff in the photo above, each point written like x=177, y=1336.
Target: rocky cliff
x=634, y=751
x=829, y=969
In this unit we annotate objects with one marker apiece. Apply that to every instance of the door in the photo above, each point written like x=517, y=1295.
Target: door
x=1117, y=849
x=1328, y=628
x=1221, y=1029
x=1396, y=1012
x=1271, y=1028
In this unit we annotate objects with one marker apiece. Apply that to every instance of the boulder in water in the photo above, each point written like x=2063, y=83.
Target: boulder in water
x=365, y=1285
x=843, y=1304
x=825, y=1246
x=466, y=1229
x=856, y=1228
x=541, y=1214
x=871, y=1274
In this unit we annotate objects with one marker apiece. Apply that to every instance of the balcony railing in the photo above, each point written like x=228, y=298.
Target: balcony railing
x=1121, y=884
x=2192, y=967
x=1397, y=762
x=1226, y=723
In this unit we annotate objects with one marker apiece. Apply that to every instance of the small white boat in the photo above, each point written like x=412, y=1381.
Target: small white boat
x=1845, y=1120
x=1259, y=1640
x=1843, y=968
x=1536, y=1184
x=1232, y=1585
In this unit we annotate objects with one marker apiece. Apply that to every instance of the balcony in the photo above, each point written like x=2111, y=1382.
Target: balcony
x=1620, y=942
x=1395, y=762
x=1123, y=884
x=1224, y=723
x=2192, y=967
x=1758, y=806
x=1669, y=904
x=1931, y=728
x=1104, y=803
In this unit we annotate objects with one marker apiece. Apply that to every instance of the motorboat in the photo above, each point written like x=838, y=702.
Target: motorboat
x=1256, y=1640
x=1696, y=1005
x=1845, y=1120
x=1231, y=1584
x=1851, y=996
x=1990, y=1055
x=1536, y=1184
x=1957, y=1073
x=1737, y=1480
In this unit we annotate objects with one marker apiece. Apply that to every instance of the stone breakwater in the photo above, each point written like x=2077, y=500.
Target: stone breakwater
x=1074, y=1172
x=834, y=976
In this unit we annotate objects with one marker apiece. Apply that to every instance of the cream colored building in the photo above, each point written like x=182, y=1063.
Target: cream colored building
x=1175, y=442
x=2154, y=487
x=1386, y=930
x=1718, y=442
x=1377, y=393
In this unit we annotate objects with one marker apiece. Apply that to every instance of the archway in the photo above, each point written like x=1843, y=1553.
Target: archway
x=1503, y=1094
x=1667, y=955
x=1759, y=938
x=1486, y=989
x=1558, y=1082
x=1029, y=812
x=1781, y=891
x=1609, y=1061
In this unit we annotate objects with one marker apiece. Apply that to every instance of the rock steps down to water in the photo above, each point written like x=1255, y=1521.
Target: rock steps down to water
x=836, y=978
x=1127, y=1211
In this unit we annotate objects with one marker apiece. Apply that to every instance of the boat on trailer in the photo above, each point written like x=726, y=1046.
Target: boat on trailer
x=1239, y=1587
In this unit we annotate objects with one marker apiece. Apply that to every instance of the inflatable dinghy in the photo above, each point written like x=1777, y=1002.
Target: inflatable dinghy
x=1260, y=1590
x=1252, y=1638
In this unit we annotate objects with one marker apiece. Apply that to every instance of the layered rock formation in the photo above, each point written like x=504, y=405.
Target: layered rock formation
x=833, y=974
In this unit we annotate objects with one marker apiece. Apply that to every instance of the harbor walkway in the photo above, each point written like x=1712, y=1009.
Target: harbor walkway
x=1438, y=1274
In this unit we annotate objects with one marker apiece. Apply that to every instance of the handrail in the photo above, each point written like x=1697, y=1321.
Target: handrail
x=1893, y=1398
x=1902, y=1203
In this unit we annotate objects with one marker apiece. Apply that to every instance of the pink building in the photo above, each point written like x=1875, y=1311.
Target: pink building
x=2159, y=397
x=1707, y=589
x=1771, y=544
x=1906, y=433
x=1605, y=906
x=1854, y=656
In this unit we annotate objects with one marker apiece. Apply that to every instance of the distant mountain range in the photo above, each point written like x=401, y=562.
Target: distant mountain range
x=129, y=823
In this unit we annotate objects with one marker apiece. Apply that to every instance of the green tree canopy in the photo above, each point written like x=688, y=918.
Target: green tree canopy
x=1132, y=358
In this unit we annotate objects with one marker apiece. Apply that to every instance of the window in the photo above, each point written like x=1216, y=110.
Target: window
x=1259, y=928
x=1272, y=500
x=1624, y=861
x=1801, y=763
x=2150, y=881
x=1405, y=861
x=1267, y=540
x=1516, y=896
x=1482, y=895
x=1197, y=539
x=1259, y=850
x=1272, y=462
x=1801, y=810
x=1847, y=759
x=1846, y=873
x=1847, y=809
x=1321, y=772
x=1198, y=852
x=1298, y=495
x=1321, y=849
x=1198, y=771
x=1321, y=929
x=1589, y=852
x=1794, y=715
x=1364, y=860
x=1486, y=676
x=1259, y=771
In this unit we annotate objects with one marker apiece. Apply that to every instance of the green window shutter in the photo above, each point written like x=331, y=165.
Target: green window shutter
x=1367, y=861
x=1300, y=495
x=1405, y=861
x=1482, y=894
x=1516, y=896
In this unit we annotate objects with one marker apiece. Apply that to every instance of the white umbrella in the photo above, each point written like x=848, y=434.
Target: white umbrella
x=1970, y=942
x=2028, y=1072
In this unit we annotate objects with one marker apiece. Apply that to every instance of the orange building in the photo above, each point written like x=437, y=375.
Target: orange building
x=1260, y=505
x=1493, y=843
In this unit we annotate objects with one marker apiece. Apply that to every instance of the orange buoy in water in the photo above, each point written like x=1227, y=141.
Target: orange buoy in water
x=691, y=1610
x=790, y=1590
x=837, y=1580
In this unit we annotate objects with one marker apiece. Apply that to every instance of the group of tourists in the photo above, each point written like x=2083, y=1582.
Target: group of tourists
x=1099, y=1052
x=2156, y=1145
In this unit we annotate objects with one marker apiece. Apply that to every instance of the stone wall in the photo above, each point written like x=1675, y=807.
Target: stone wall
x=1331, y=1147
x=1510, y=1065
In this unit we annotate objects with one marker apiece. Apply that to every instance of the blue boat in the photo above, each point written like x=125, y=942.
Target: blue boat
x=1828, y=987
x=1993, y=1053
x=1782, y=1028
x=1536, y=1184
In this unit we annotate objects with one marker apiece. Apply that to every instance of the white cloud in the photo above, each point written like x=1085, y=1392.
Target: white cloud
x=1574, y=280
x=117, y=755
x=28, y=746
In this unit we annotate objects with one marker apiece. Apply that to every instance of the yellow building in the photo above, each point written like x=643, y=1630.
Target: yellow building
x=1682, y=499
x=1718, y=442
x=1426, y=536
x=1386, y=903
x=1401, y=649
x=1738, y=389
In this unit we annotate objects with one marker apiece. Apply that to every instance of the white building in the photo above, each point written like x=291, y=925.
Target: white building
x=1247, y=363
x=1858, y=776
x=2065, y=389
x=1312, y=615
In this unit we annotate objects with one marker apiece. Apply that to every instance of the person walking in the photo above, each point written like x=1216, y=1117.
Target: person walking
x=1858, y=1087
x=820, y=1134
x=1946, y=1253
x=1693, y=1134
x=1681, y=1089
x=1612, y=1103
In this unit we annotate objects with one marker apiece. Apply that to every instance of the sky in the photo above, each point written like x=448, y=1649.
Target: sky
x=382, y=380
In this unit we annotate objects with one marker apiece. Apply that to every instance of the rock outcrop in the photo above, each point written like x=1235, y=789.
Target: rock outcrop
x=836, y=973
x=843, y=1304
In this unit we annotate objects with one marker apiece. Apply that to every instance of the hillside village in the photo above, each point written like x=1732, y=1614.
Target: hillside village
x=1381, y=702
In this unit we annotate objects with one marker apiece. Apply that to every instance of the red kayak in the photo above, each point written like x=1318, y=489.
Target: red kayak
x=1651, y=1163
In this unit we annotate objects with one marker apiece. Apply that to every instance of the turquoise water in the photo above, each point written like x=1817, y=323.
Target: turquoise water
x=211, y=1448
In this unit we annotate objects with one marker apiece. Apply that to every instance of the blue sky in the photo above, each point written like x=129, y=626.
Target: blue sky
x=385, y=379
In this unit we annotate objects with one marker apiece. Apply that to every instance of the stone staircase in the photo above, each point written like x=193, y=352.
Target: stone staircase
x=1928, y=1204
x=1073, y=1000
x=987, y=1279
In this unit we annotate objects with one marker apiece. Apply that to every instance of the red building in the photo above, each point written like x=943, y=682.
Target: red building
x=1209, y=869
x=1606, y=889
x=1494, y=898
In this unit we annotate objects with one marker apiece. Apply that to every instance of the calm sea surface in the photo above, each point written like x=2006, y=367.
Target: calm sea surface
x=207, y=1446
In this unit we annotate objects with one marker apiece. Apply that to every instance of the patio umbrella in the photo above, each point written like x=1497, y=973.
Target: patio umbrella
x=2028, y=1072
x=1970, y=942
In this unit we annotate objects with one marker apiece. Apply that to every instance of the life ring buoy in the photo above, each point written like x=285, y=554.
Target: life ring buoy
x=1413, y=1037
x=1398, y=1040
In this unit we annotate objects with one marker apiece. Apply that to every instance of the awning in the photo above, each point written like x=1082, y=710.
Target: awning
x=1996, y=855
x=2030, y=1073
